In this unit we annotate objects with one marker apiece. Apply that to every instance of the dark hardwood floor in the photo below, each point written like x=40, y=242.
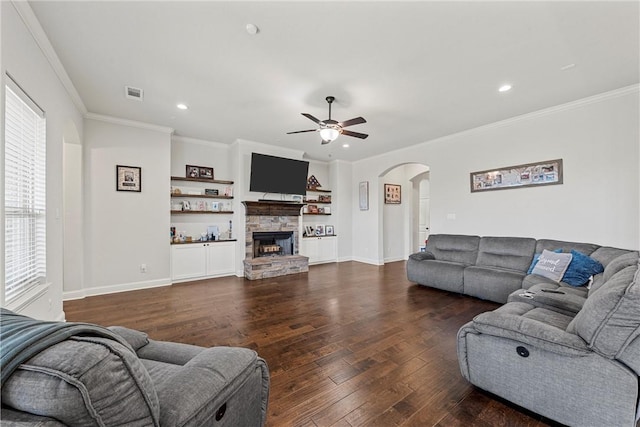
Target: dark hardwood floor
x=347, y=344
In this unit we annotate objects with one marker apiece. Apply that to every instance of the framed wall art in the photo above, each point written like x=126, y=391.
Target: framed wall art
x=128, y=178
x=363, y=195
x=548, y=172
x=392, y=194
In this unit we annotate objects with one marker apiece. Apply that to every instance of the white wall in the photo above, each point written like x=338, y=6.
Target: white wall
x=126, y=229
x=597, y=139
x=25, y=60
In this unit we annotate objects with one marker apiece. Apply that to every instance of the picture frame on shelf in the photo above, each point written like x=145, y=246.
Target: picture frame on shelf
x=320, y=231
x=128, y=178
x=329, y=230
x=326, y=210
x=193, y=171
x=186, y=205
x=309, y=231
x=392, y=194
x=206, y=173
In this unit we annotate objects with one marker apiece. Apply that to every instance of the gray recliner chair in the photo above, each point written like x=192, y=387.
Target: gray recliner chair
x=121, y=377
x=580, y=369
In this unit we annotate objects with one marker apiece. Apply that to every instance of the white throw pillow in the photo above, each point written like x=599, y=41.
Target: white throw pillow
x=552, y=265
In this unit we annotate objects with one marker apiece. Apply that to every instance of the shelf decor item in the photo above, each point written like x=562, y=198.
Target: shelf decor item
x=201, y=172
x=128, y=178
x=320, y=230
x=392, y=194
x=329, y=230
x=548, y=172
x=313, y=183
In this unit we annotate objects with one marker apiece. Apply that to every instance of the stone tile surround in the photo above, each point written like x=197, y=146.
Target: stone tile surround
x=271, y=217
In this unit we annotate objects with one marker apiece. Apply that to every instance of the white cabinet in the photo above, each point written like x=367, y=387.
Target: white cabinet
x=192, y=261
x=319, y=249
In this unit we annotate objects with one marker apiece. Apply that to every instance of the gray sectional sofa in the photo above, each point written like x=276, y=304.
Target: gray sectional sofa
x=569, y=353
x=57, y=374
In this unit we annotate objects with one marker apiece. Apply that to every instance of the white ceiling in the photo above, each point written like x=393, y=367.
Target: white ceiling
x=414, y=70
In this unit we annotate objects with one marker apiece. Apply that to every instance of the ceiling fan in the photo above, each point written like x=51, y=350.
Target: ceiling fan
x=330, y=129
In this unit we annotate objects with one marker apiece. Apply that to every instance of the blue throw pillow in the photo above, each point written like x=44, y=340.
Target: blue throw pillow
x=582, y=267
x=536, y=257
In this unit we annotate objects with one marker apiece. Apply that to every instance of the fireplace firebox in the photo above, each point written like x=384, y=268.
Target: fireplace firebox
x=272, y=243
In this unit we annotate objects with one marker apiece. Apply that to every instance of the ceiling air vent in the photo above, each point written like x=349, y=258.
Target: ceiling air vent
x=133, y=93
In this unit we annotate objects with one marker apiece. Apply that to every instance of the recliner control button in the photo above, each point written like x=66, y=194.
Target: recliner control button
x=522, y=351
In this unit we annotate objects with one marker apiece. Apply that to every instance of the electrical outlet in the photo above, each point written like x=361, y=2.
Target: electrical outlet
x=143, y=268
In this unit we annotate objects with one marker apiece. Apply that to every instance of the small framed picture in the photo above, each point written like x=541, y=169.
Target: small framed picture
x=206, y=173
x=193, y=171
x=186, y=205
x=128, y=178
x=320, y=230
x=329, y=230
x=392, y=194
x=309, y=231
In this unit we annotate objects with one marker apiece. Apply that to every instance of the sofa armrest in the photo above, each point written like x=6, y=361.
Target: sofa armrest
x=565, y=303
x=422, y=256
x=204, y=387
x=532, y=332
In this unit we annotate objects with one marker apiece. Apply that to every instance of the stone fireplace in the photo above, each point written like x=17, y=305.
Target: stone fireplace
x=272, y=240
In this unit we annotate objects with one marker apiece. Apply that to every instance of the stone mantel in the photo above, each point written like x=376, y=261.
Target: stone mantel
x=268, y=208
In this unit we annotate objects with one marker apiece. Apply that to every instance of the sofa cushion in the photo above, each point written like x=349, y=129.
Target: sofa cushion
x=85, y=381
x=514, y=253
x=581, y=268
x=445, y=275
x=610, y=318
x=552, y=265
x=454, y=248
x=567, y=247
x=613, y=267
x=491, y=283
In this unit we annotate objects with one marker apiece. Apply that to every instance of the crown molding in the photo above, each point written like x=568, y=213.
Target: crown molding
x=190, y=140
x=129, y=123
x=33, y=25
x=616, y=93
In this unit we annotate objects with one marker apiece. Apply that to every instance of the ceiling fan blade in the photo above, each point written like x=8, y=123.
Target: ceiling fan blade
x=355, y=134
x=310, y=117
x=356, y=121
x=301, y=131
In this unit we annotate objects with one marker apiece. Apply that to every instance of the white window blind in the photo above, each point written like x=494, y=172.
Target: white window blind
x=24, y=193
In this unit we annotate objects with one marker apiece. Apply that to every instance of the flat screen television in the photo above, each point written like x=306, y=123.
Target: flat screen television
x=271, y=174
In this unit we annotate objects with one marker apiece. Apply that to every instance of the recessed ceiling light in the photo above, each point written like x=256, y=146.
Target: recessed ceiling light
x=182, y=106
x=345, y=145
x=504, y=88
x=252, y=29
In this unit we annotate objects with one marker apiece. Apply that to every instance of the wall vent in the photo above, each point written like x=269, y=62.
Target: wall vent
x=133, y=93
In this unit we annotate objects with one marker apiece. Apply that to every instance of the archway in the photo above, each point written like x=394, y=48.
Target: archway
x=399, y=227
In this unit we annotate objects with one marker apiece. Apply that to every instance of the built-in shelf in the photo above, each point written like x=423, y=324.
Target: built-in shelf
x=212, y=181
x=317, y=190
x=318, y=213
x=202, y=196
x=201, y=212
x=206, y=241
x=315, y=202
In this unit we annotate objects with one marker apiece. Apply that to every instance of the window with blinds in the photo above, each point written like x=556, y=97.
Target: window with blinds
x=24, y=193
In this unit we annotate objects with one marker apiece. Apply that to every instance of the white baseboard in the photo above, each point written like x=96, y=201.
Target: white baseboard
x=368, y=261
x=123, y=287
x=386, y=260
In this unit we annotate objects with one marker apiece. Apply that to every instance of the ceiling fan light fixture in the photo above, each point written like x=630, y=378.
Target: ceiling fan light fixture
x=329, y=134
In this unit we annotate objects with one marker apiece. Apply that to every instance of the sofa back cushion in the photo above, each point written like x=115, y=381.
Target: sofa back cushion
x=610, y=318
x=85, y=381
x=552, y=245
x=454, y=248
x=512, y=253
x=614, y=260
